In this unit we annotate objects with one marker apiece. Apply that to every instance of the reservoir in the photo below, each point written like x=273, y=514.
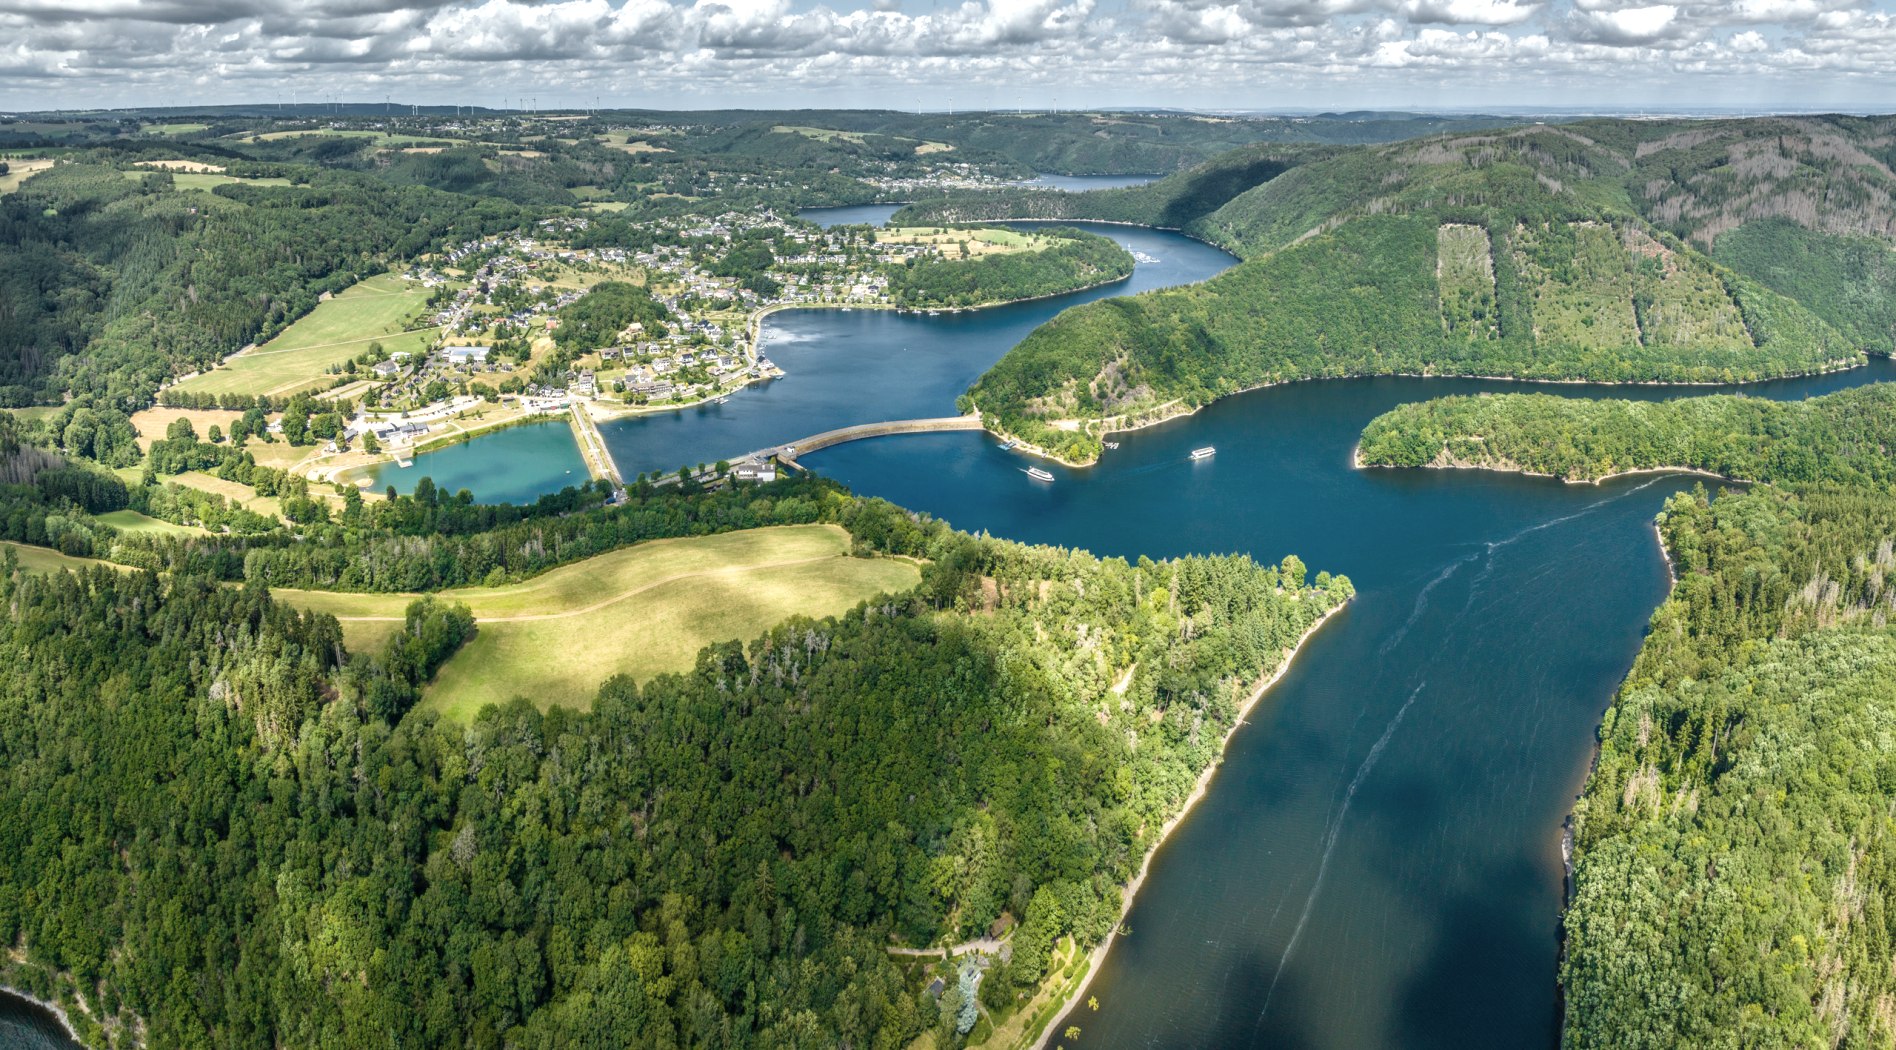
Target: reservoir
x=845, y=367
x=1082, y=183
x=1377, y=863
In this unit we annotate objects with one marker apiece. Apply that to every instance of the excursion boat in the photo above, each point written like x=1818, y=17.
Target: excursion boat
x=1204, y=453
x=1038, y=475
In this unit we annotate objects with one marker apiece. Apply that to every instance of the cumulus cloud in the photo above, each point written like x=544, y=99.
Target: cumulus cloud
x=763, y=52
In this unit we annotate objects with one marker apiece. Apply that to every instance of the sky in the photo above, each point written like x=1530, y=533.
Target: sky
x=1226, y=55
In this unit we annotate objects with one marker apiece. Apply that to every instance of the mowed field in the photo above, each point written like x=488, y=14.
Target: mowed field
x=134, y=522
x=44, y=559
x=378, y=309
x=20, y=170
x=641, y=611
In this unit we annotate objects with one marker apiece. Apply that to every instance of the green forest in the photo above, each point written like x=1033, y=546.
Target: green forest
x=1615, y=251
x=1075, y=260
x=717, y=858
x=1842, y=437
x=1735, y=850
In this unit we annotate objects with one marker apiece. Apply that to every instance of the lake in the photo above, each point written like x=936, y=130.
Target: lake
x=865, y=366
x=1377, y=863
x=516, y=465
x=1082, y=183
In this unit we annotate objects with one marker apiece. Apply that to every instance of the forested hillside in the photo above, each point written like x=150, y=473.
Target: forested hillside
x=1074, y=259
x=113, y=285
x=1843, y=437
x=1734, y=861
x=717, y=858
x=1548, y=252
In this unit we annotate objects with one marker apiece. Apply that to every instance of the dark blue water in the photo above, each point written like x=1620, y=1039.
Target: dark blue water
x=853, y=215
x=1377, y=864
x=865, y=366
x=516, y=465
x=1081, y=183
x=24, y=1026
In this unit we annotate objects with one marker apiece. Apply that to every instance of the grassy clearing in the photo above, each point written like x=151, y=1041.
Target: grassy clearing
x=242, y=495
x=44, y=559
x=205, y=180
x=173, y=129
x=22, y=170
x=33, y=413
x=641, y=611
x=378, y=309
x=977, y=242
x=134, y=522
x=151, y=423
x=819, y=134
x=1464, y=276
x=180, y=165
x=1583, y=299
x=1621, y=288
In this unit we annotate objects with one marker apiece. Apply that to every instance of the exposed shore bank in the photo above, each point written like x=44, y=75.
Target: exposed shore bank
x=1199, y=790
x=58, y=1012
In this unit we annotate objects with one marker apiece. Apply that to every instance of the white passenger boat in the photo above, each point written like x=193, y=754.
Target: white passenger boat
x=1204, y=453
x=1038, y=475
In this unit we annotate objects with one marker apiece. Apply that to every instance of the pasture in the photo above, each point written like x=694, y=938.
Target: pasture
x=641, y=611
x=376, y=310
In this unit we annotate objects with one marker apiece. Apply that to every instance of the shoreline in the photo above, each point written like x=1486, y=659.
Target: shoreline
x=1203, y=786
x=1184, y=413
x=1356, y=462
x=57, y=1011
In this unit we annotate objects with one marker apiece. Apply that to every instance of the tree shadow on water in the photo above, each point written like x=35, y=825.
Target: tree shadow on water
x=1488, y=981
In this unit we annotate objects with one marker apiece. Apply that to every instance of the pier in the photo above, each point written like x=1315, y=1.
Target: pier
x=592, y=448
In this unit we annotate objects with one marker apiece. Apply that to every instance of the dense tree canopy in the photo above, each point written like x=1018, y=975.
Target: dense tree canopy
x=1845, y=437
x=716, y=858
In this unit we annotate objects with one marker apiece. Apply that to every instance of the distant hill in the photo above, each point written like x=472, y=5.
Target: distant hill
x=1616, y=251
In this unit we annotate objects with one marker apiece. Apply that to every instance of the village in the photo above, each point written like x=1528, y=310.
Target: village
x=495, y=309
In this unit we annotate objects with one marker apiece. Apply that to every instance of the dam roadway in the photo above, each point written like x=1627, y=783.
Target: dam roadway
x=788, y=452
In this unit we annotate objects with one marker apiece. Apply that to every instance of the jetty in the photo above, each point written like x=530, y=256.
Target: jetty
x=788, y=452
x=592, y=448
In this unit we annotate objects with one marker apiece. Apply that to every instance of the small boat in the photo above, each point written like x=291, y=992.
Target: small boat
x=1008, y=445
x=1038, y=475
x=1112, y=444
x=721, y=400
x=1204, y=453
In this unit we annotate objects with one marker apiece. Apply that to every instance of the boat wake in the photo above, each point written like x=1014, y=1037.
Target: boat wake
x=1486, y=554
x=1333, y=832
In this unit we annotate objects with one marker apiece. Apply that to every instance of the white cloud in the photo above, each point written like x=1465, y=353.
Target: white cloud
x=670, y=53
x=1470, y=12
